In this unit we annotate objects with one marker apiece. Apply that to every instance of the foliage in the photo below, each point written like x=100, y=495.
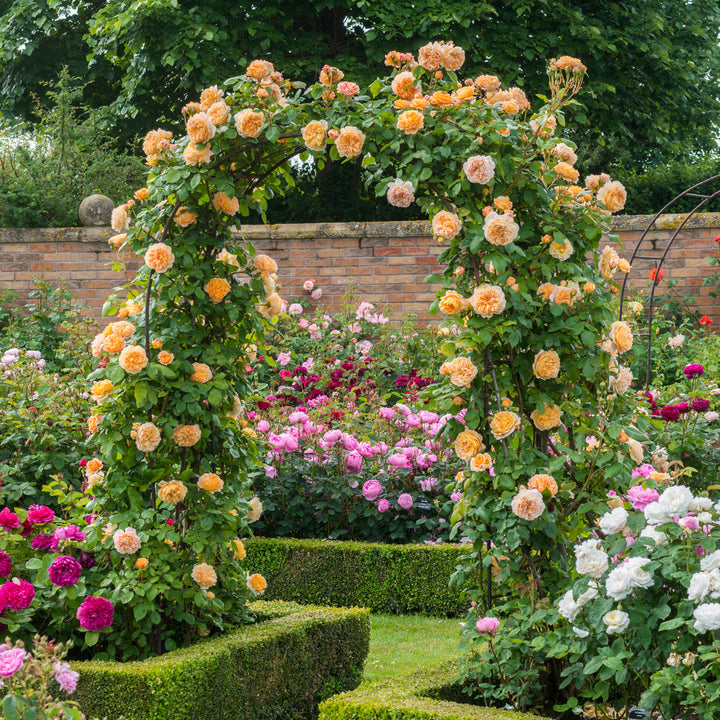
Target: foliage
x=280, y=667
x=47, y=171
x=145, y=72
x=396, y=579
x=633, y=611
x=419, y=696
x=42, y=434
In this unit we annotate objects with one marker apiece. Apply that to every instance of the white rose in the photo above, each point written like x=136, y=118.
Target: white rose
x=614, y=522
x=699, y=586
x=715, y=584
x=590, y=594
x=711, y=416
x=638, y=577
x=655, y=514
x=707, y=617
x=616, y=621
x=660, y=538
x=637, y=451
x=618, y=585
x=567, y=607
x=593, y=563
x=675, y=500
x=698, y=504
x=588, y=545
x=710, y=562
x=580, y=632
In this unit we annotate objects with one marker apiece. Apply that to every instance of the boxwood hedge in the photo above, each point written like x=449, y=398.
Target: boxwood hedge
x=280, y=667
x=390, y=579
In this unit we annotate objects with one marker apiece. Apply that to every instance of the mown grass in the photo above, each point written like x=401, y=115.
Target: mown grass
x=400, y=644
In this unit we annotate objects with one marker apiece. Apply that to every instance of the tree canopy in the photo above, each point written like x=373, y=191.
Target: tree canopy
x=651, y=90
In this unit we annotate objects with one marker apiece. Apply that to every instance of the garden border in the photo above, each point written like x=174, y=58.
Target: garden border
x=388, y=579
x=281, y=667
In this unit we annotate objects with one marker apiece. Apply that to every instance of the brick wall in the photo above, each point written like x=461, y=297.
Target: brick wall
x=384, y=262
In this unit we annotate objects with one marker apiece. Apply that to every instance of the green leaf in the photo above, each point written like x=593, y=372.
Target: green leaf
x=91, y=638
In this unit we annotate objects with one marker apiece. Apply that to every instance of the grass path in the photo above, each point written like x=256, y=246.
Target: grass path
x=400, y=644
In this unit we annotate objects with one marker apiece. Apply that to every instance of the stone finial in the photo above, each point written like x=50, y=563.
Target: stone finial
x=95, y=211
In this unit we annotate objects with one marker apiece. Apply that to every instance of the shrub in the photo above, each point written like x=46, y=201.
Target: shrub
x=280, y=667
x=425, y=695
x=391, y=579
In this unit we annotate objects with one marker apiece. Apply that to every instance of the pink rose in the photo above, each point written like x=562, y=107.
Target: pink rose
x=11, y=661
x=640, y=498
x=405, y=501
x=372, y=489
x=488, y=625
x=316, y=294
x=383, y=505
x=40, y=514
x=308, y=285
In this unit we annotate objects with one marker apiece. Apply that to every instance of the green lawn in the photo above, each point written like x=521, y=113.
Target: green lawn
x=400, y=644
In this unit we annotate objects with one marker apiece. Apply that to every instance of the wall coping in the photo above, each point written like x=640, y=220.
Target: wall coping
x=309, y=231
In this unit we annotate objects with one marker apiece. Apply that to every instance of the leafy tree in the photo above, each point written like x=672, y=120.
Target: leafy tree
x=652, y=65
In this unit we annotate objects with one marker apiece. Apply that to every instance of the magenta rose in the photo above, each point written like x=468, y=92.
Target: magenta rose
x=69, y=532
x=669, y=413
x=693, y=370
x=18, y=594
x=699, y=404
x=64, y=571
x=40, y=514
x=405, y=501
x=5, y=564
x=8, y=519
x=44, y=541
x=95, y=614
x=372, y=489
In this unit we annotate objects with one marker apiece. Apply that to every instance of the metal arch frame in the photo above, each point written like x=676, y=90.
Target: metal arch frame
x=661, y=258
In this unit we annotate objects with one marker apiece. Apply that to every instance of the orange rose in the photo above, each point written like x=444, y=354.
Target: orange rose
x=453, y=57
x=200, y=128
x=113, y=344
x=185, y=217
x=217, y=289
x=141, y=563
x=201, y=373
x=126, y=541
x=238, y=549
x=621, y=335
x=147, y=437
x=219, y=113
x=165, y=357
x=410, y=121
x=259, y=69
x=225, y=204
x=257, y=584
x=349, y=142
x=462, y=371
x=441, y=99
x=613, y=196
x=446, y=224
x=171, y=491
x=141, y=194
x=204, y=575
x=451, y=303
x=481, y=462
x=151, y=144
x=528, y=505
x=466, y=92
x=314, y=134
x=403, y=85
x=187, y=435
x=488, y=300
x=430, y=56
x=133, y=359
x=504, y=423
x=159, y=257
x=468, y=444
x=548, y=419
x=546, y=365
x=193, y=156
x=488, y=83
x=541, y=482
x=248, y=123
x=101, y=389
x=93, y=423
x=94, y=465
x=567, y=172
x=500, y=229
x=210, y=482
x=210, y=96
x=265, y=264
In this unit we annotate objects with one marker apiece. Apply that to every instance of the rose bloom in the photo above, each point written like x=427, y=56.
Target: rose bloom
x=171, y=491
x=123, y=328
x=462, y=371
x=500, y=229
x=348, y=89
x=481, y=462
x=159, y=257
x=441, y=99
x=238, y=549
x=201, y=373
x=165, y=357
x=217, y=289
x=541, y=482
x=410, y=121
x=225, y=204
x=565, y=153
x=259, y=69
x=613, y=196
x=403, y=85
x=308, y=285
x=255, y=509
x=210, y=96
x=621, y=335
x=488, y=300
x=65, y=571
x=468, y=444
x=204, y=575
x=200, y=128
x=430, y=56
x=126, y=541
x=561, y=251
x=676, y=341
x=119, y=220
x=528, y=505
x=265, y=264
x=479, y=169
x=133, y=359
x=467, y=92
x=453, y=57
x=248, y=123
x=151, y=143
x=567, y=172
x=186, y=435
x=446, y=224
x=503, y=424
x=94, y=465
x=193, y=156
x=620, y=382
x=93, y=423
x=256, y=584
x=211, y=482
x=314, y=134
x=101, y=389
x=147, y=437
x=400, y=193
x=548, y=419
x=546, y=365
x=349, y=142
x=95, y=614
x=219, y=113
x=546, y=130
x=372, y=489
x=113, y=344
x=451, y=303
x=489, y=83
x=617, y=621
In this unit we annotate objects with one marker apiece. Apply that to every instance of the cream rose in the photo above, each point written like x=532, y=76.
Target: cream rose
x=468, y=444
x=546, y=365
x=488, y=300
x=528, y=505
x=613, y=196
x=500, y=229
x=479, y=169
x=504, y=423
x=446, y=224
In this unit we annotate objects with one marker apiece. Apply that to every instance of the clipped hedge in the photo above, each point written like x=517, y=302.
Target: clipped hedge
x=390, y=579
x=415, y=697
x=281, y=667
